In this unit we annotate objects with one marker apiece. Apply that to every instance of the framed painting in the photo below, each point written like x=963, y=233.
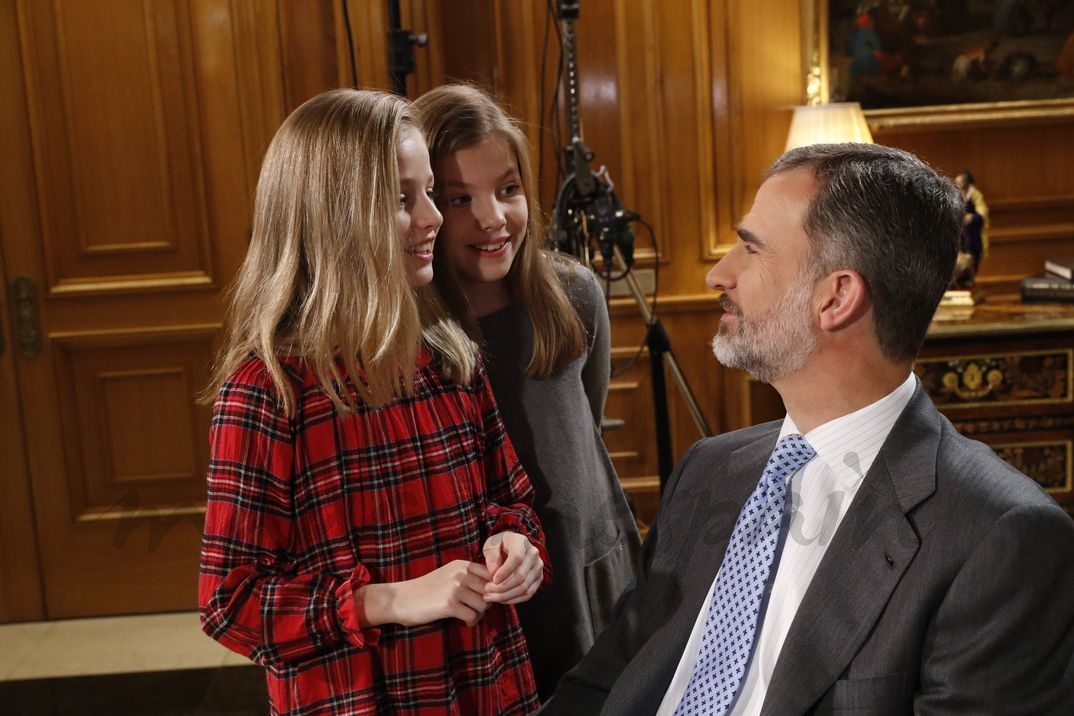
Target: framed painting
x=942, y=62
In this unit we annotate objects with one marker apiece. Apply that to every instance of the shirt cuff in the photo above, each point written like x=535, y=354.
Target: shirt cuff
x=349, y=620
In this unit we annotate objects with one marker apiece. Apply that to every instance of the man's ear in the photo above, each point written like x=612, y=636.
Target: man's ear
x=844, y=299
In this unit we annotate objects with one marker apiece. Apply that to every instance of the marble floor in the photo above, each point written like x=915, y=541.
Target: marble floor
x=145, y=665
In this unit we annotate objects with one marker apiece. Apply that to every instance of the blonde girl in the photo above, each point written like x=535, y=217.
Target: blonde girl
x=369, y=528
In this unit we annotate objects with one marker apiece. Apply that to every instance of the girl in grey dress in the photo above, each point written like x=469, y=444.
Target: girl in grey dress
x=543, y=325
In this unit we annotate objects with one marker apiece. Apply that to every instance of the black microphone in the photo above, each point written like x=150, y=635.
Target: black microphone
x=609, y=222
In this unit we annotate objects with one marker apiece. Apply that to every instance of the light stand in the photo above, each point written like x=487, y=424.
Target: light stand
x=587, y=211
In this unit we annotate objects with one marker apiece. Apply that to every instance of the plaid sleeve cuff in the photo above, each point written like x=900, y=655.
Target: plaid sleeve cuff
x=509, y=521
x=348, y=613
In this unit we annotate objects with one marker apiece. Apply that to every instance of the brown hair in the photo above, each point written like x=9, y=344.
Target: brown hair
x=460, y=116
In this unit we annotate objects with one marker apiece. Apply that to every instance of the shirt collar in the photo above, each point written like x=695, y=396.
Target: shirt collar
x=849, y=444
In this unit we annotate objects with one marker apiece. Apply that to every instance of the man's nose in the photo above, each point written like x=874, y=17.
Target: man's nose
x=720, y=277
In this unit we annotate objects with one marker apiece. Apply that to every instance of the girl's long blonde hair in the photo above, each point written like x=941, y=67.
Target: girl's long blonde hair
x=459, y=116
x=324, y=279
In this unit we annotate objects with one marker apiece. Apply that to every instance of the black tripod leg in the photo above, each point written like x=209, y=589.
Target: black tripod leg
x=656, y=338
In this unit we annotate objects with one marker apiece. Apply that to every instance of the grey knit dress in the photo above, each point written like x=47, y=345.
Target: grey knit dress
x=554, y=425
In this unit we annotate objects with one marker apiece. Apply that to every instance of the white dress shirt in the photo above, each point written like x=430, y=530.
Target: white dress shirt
x=820, y=492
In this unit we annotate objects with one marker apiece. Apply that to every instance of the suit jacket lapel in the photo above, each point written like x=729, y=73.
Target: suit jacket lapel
x=714, y=503
x=868, y=555
x=701, y=513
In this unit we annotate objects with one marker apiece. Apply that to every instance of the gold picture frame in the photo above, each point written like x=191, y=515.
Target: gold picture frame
x=827, y=74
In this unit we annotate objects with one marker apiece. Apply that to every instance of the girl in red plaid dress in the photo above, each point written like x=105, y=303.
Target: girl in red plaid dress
x=369, y=528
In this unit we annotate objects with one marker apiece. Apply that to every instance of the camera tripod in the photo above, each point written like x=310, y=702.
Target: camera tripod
x=588, y=212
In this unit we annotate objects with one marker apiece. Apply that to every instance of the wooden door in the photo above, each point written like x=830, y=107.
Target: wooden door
x=131, y=132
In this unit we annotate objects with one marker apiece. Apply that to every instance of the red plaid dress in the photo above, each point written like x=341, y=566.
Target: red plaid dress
x=303, y=511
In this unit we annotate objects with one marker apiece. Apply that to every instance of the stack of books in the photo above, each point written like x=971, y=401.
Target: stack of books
x=956, y=303
x=957, y=298
x=1057, y=283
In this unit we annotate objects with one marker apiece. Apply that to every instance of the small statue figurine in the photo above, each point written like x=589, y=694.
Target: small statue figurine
x=975, y=223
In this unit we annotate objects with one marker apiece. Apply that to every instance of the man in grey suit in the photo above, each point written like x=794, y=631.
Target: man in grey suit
x=913, y=570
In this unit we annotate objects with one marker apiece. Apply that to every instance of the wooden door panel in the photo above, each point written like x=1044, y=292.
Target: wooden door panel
x=133, y=149
x=134, y=450
x=130, y=424
x=20, y=574
x=131, y=141
x=117, y=154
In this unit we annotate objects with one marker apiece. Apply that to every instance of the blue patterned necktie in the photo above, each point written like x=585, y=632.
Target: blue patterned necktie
x=735, y=613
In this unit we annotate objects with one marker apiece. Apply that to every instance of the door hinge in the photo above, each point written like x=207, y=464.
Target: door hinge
x=24, y=312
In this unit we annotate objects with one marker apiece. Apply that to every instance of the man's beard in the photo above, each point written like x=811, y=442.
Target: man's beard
x=773, y=344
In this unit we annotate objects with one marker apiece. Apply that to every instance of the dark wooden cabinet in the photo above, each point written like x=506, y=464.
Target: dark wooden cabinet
x=1001, y=372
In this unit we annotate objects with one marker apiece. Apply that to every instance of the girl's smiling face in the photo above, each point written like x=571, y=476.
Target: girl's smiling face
x=485, y=210
x=416, y=218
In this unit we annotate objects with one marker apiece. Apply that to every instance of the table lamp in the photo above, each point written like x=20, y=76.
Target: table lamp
x=823, y=123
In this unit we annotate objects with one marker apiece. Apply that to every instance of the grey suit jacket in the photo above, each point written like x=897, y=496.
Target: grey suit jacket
x=948, y=587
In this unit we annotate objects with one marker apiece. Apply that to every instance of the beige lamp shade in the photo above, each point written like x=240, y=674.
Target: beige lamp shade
x=824, y=123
